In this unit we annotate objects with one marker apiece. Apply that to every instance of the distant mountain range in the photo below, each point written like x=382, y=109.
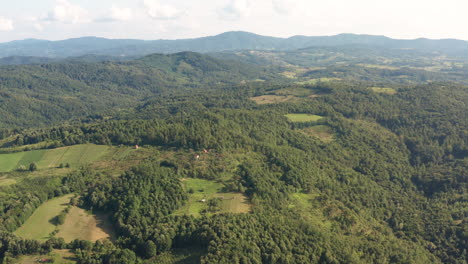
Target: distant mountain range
x=229, y=41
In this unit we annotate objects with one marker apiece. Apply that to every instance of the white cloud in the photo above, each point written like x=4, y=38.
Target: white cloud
x=235, y=10
x=157, y=10
x=121, y=14
x=6, y=24
x=68, y=13
x=38, y=26
x=117, y=14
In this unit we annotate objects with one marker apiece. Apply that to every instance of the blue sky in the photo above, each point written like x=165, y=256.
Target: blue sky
x=173, y=19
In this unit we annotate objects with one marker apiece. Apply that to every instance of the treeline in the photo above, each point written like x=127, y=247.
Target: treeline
x=19, y=201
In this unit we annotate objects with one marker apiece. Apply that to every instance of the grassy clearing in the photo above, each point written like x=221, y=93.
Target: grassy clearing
x=289, y=74
x=317, y=80
x=4, y=181
x=273, y=99
x=290, y=95
x=74, y=155
x=9, y=162
x=301, y=118
x=200, y=189
x=61, y=256
x=30, y=157
x=120, y=159
x=376, y=129
x=304, y=204
x=80, y=224
x=390, y=91
x=322, y=132
x=51, y=158
x=375, y=66
x=38, y=225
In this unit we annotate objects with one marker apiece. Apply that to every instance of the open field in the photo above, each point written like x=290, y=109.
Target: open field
x=304, y=204
x=376, y=129
x=38, y=226
x=317, y=80
x=5, y=181
x=51, y=158
x=289, y=74
x=9, y=178
x=80, y=224
x=375, y=66
x=120, y=159
x=291, y=95
x=322, y=132
x=300, y=118
x=200, y=189
x=273, y=99
x=61, y=256
x=390, y=91
x=295, y=91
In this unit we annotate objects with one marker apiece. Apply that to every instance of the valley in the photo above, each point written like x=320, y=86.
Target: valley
x=323, y=152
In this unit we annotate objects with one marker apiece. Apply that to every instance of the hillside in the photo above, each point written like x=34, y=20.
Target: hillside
x=33, y=95
x=329, y=154
x=357, y=172
x=222, y=42
x=360, y=63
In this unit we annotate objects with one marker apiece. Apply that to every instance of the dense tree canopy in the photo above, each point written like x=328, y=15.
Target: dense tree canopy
x=376, y=178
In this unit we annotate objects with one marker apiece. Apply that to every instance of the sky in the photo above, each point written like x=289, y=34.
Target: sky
x=177, y=19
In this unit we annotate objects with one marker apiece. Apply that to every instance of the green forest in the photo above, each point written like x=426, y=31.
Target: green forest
x=218, y=159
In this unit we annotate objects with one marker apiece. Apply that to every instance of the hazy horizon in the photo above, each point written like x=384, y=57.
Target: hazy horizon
x=203, y=36
x=178, y=19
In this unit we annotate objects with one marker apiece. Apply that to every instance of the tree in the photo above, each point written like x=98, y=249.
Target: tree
x=150, y=249
x=33, y=166
x=124, y=256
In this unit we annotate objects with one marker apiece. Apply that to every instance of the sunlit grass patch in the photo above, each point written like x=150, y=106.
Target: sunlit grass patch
x=322, y=132
x=80, y=224
x=39, y=225
x=302, y=118
x=273, y=99
x=61, y=256
x=202, y=191
x=383, y=90
x=52, y=158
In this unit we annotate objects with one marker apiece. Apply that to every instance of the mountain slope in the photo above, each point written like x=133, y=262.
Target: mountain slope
x=32, y=95
x=222, y=42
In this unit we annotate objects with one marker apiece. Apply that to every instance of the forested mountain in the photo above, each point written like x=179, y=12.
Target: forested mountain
x=328, y=154
x=24, y=60
x=48, y=91
x=32, y=95
x=222, y=42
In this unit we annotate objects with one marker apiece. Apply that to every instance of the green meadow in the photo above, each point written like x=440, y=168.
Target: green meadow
x=322, y=132
x=52, y=158
x=201, y=191
x=383, y=90
x=39, y=226
x=301, y=118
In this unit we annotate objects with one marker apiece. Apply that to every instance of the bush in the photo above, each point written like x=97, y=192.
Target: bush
x=33, y=166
